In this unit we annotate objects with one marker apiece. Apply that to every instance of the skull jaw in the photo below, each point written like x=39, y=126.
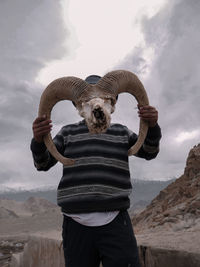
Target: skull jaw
x=97, y=126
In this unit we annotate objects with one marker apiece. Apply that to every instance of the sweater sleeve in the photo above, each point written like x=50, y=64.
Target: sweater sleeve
x=150, y=147
x=42, y=158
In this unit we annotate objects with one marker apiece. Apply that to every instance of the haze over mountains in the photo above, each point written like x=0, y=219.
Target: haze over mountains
x=143, y=192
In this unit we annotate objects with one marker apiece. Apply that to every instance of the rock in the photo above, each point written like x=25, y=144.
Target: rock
x=38, y=205
x=193, y=162
x=6, y=213
x=178, y=199
x=40, y=252
x=7, y=248
x=157, y=257
x=46, y=252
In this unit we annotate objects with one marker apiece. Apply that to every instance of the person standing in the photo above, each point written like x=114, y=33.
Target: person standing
x=94, y=193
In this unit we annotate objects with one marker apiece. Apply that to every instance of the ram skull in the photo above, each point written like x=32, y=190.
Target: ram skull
x=95, y=103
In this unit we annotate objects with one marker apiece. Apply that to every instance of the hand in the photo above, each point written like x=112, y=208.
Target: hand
x=41, y=127
x=149, y=114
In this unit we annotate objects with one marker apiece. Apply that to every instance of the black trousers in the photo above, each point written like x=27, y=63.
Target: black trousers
x=113, y=244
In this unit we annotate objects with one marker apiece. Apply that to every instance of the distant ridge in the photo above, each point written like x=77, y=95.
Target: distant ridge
x=48, y=193
x=143, y=192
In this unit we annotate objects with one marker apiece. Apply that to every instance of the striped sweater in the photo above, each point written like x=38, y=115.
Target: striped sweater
x=100, y=178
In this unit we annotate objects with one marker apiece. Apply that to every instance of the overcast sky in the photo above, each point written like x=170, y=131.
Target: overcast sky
x=42, y=40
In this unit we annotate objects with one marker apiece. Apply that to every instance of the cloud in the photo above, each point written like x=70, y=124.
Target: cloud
x=6, y=175
x=187, y=136
x=32, y=34
x=177, y=64
x=172, y=82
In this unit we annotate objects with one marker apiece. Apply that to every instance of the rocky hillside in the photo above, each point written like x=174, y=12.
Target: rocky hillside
x=30, y=216
x=178, y=205
x=13, y=209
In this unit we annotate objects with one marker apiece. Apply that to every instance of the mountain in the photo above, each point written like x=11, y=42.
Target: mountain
x=144, y=191
x=23, y=195
x=178, y=205
x=142, y=194
x=6, y=213
x=10, y=208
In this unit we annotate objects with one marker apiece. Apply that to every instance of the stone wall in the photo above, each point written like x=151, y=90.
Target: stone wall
x=157, y=257
x=44, y=252
x=40, y=252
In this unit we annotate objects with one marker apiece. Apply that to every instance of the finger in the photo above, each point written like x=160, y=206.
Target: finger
x=146, y=114
x=42, y=133
x=41, y=124
x=140, y=107
x=41, y=118
x=147, y=109
x=148, y=117
x=43, y=128
x=153, y=113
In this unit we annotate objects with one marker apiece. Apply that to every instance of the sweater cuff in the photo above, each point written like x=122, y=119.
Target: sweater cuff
x=154, y=132
x=37, y=148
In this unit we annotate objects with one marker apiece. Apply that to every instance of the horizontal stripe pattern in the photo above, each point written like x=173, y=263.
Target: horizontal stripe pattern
x=97, y=189
x=93, y=200
x=95, y=148
x=100, y=178
x=88, y=136
x=94, y=174
x=101, y=169
x=151, y=149
x=99, y=161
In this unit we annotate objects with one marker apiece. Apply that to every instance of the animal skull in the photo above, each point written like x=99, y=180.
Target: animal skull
x=95, y=102
x=97, y=113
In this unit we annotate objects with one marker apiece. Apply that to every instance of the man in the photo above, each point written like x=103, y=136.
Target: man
x=94, y=193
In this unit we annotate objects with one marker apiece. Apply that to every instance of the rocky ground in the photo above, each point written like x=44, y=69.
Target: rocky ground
x=19, y=220
x=178, y=205
x=171, y=221
x=8, y=246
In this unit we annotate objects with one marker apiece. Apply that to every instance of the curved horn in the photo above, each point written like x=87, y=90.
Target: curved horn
x=66, y=88
x=125, y=81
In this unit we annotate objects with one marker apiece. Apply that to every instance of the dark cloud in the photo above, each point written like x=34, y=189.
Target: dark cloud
x=172, y=83
x=17, y=99
x=177, y=63
x=32, y=32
